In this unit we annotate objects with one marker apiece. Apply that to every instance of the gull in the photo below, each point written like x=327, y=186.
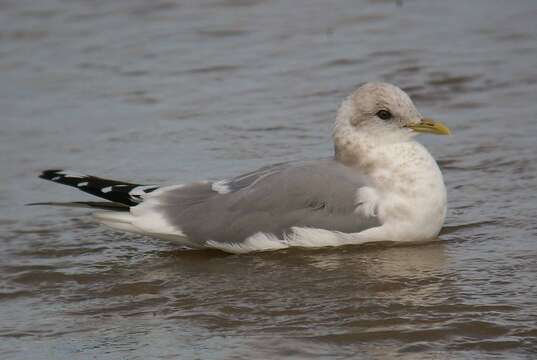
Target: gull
x=380, y=185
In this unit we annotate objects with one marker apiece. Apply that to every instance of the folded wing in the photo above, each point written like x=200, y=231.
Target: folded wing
x=273, y=200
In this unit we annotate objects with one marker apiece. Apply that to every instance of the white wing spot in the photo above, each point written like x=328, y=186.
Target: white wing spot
x=106, y=189
x=221, y=187
x=141, y=190
x=85, y=183
x=71, y=174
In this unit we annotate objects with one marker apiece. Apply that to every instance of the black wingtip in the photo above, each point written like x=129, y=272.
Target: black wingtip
x=112, y=190
x=49, y=174
x=104, y=205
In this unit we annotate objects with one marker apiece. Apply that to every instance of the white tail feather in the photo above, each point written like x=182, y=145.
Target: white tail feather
x=117, y=221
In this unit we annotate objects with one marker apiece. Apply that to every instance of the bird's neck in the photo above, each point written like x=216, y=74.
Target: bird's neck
x=387, y=159
x=366, y=150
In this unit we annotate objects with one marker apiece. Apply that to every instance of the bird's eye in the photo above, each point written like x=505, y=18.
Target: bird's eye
x=384, y=114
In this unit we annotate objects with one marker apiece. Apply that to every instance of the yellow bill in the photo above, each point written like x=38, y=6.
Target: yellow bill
x=430, y=126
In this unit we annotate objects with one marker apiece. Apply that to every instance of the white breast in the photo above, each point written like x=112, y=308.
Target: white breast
x=407, y=193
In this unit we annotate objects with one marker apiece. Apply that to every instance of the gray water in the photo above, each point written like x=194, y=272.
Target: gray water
x=173, y=91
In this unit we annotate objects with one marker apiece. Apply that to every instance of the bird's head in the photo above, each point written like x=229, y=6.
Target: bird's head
x=380, y=113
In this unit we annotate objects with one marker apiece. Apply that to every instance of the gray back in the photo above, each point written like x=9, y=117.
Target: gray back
x=316, y=194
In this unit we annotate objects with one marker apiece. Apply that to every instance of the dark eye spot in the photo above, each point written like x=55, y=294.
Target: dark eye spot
x=384, y=114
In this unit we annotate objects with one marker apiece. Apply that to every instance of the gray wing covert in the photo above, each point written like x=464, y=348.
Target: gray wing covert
x=316, y=194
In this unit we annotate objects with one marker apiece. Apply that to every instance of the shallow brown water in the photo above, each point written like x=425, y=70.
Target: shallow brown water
x=172, y=91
